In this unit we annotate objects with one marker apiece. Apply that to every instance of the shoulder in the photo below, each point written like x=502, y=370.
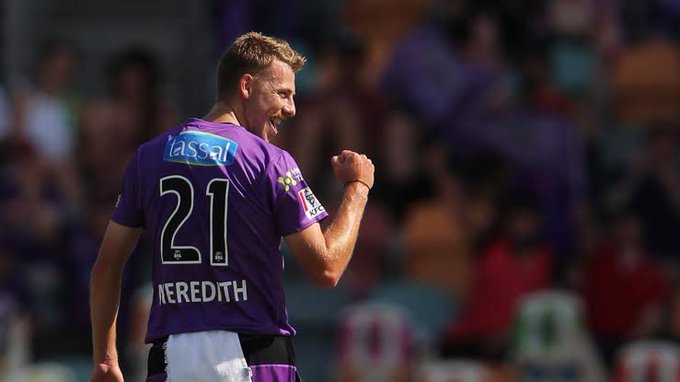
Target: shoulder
x=270, y=153
x=276, y=152
x=281, y=162
x=155, y=146
x=157, y=141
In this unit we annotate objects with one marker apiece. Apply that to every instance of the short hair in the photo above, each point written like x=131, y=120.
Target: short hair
x=252, y=53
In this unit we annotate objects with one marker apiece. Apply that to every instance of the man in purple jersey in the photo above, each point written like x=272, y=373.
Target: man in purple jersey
x=216, y=198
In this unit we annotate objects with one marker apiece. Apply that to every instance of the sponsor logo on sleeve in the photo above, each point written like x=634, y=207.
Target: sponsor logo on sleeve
x=291, y=178
x=310, y=204
x=287, y=181
x=200, y=149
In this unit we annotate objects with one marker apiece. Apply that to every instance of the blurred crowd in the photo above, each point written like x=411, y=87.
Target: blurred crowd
x=527, y=160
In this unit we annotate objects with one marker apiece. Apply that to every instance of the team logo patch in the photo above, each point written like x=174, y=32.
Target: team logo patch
x=201, y=149
x=310, y=204
x=287, y=181
x=291, y=178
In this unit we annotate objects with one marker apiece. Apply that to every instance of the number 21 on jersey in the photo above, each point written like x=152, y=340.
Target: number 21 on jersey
x=218, y=191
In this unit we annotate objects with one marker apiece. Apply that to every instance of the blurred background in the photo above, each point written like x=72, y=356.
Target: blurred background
x=524, y=226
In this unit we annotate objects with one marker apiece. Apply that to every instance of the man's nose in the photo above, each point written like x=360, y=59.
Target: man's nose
x=289, y=109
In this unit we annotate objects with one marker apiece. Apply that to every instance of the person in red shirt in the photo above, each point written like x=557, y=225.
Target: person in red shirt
x=516, y=263
x=623, y=288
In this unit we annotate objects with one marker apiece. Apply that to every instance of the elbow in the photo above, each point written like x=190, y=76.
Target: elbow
x=327, y=279
x=321, y=268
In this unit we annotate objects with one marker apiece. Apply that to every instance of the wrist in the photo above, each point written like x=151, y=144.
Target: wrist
x=107, y=358
x=357, y=183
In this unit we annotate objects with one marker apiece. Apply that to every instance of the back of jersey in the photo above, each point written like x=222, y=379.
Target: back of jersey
x=215, y=201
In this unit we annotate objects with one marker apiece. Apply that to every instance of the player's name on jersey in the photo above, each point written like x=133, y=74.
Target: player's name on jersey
x=202, y=291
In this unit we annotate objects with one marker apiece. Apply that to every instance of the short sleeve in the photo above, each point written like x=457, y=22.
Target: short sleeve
x=128, y=211
x=295, y=206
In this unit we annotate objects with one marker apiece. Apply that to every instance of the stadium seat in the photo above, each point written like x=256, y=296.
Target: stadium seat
x=315, y=313
x=549, y=341
x=381, y=337
x=648, y=361
x=376, y=344
x=429, y=307
x=453, y=370
x=647, y=82
x=435, y=247
x=380, y=24
x=311, y=305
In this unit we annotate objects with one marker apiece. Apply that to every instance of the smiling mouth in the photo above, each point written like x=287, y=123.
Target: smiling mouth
x=275, y=124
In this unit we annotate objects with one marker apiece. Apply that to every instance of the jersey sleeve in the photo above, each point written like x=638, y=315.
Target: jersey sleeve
x=128, y=209
x=294, y=203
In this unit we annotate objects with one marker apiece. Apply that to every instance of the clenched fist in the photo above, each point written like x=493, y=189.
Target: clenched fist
x=353, y=167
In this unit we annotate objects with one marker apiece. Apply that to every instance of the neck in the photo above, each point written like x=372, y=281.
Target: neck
x=222, y=112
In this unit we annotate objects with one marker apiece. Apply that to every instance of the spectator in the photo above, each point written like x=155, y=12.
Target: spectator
x=624, y=290
x=515, y=263
x=47, y=115
x=135, y=83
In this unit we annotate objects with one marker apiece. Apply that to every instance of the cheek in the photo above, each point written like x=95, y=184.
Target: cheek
x=254, y=110
x=271, y=103
x=263, y=105
x=262, y=108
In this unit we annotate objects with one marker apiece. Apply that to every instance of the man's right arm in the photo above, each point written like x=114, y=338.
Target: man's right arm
x=324, y=255
x=105, y=286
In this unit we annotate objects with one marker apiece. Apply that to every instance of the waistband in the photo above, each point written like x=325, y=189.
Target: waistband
x=257, y=349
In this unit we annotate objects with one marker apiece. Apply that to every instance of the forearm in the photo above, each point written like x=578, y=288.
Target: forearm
x=324, y=255
x=341, y=234
x=105, y=286
x=105, y=283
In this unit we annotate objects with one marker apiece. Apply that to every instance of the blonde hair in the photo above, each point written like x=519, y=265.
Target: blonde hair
x=252, y=53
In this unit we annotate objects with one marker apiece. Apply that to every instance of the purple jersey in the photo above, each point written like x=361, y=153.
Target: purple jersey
x=216, y=201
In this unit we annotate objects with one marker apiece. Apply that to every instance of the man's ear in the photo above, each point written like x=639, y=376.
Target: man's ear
x=245, y=85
